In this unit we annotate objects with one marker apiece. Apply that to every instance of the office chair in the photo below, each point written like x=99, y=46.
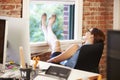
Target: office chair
x=89, y=57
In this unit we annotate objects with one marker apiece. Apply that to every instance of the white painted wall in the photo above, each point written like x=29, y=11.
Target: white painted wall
x=116, y=15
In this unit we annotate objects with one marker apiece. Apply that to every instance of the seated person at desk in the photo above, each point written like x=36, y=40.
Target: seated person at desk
x=92, y=36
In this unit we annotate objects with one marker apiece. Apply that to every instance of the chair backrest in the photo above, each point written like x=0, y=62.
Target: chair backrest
x=89, y=57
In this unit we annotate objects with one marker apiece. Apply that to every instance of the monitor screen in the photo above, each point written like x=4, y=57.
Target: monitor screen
x=18, y=36
x=113, y=55
x=3, y=40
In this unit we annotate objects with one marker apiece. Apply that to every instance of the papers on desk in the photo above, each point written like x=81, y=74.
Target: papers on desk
x=45, y=77
x=54, y=73
x=11, y=74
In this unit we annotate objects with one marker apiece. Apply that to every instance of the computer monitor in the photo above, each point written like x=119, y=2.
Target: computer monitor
x=113, y=55
x=3, y=41
x=18, y=36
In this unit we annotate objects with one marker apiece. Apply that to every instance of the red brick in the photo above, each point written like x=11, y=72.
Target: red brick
x=109, y=17
x=94, y=22
x=86, y=4
x=7, y=1
x=95, y=0
x=102, y=22
x=93, y=9
x=10, y=1
x=100, y=17
x=18, y=7
x=99, y=0
x=101, y=9
x=18, y=1
x=7, y=7
x=14, y=13
x=86, y=13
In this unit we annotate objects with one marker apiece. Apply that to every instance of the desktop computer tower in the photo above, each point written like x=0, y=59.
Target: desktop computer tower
x=113, y=55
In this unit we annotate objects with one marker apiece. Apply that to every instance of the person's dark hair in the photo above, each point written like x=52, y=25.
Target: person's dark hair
x=98, y=35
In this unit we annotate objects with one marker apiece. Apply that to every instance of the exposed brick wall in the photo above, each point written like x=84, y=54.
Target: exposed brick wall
x=11, y=8
x=98, y=13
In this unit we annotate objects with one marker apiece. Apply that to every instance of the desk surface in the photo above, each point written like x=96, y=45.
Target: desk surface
x=74, y=75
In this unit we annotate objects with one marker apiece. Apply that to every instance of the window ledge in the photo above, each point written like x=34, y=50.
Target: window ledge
x=42, y=47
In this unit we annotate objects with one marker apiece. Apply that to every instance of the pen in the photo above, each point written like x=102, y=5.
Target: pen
x=26, y=65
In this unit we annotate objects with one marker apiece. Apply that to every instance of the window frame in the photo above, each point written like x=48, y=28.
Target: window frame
x=77, y=21
x=71, y=22
x=116, y=15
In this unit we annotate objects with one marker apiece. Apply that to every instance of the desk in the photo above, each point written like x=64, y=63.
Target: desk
x=74, y=75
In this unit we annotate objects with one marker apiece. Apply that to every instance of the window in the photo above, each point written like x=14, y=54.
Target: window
x=75, y=30
x=64, y=27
